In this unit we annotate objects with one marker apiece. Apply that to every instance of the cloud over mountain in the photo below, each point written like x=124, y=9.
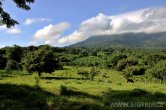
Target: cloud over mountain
x=93, y=26
x=148, y=20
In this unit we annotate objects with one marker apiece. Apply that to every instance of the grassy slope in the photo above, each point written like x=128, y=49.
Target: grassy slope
x=84, y=94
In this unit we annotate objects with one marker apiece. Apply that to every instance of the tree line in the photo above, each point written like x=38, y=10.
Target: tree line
x=44, y=58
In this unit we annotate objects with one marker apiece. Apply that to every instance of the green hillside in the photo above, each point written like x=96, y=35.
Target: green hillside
x=131, y=40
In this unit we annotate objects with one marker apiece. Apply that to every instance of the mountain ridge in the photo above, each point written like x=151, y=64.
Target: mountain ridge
x=129, y=40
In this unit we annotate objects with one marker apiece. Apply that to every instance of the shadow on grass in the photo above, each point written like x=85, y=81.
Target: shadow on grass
x=69, y=92
x=136, y=99
x=21, y=97
x=3, y=76
x=10, y=75
x=26, y=74
x=61, y=78
x=77, y=105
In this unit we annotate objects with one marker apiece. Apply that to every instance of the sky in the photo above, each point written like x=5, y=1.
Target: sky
x=64, y=22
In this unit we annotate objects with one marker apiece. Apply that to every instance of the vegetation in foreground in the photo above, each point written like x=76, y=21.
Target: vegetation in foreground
x=47, y=78
x=65, y=90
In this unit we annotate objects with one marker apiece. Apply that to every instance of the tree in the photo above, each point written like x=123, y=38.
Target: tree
x=14, y=53
x=5, y=18
x=41, y=60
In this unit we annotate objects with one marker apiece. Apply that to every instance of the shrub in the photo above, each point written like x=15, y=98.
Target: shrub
x=127, y=73
x=152, y=59
x=93, y=73
x=114, y=60
x=126, y=62
x=83, y=73
x=133, y=70
x=12, y=65
x=121, y=65
x=159, y=70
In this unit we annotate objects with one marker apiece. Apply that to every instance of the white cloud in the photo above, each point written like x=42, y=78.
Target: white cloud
x=3, y=27
x=146, y=20
x=51, y=33
x=30, y=21
x=14, y=30
x=94, y=26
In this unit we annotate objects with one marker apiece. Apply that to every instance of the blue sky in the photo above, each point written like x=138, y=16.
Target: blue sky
x=74, y=12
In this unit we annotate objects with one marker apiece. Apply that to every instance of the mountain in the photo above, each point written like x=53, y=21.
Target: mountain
x=130, y=40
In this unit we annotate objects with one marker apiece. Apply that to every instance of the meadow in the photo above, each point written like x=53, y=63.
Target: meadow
x=66, y=90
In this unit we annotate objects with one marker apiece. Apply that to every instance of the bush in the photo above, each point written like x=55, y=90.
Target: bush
x=112, y=63
x=93, y=73
x=152, y=59
x=12, y=65
x=127, y=73
x=122, y=64
x=159, y=70
x=87, y=61
x=83, y=73
x=137, y=70
x=133, y=70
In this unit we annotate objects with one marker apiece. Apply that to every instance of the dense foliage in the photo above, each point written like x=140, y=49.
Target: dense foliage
x=44, y=58
x=41, y=60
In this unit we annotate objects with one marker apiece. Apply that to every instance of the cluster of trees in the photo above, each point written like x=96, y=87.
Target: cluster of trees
x=130, y=62
x=32, y=59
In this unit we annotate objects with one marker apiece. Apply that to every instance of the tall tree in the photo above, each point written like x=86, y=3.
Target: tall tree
x=41, y=60
x=3, y=59
x=5, y=18
x=14, y=53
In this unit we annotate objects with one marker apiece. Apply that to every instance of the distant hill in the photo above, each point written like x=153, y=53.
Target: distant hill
x=130, y=40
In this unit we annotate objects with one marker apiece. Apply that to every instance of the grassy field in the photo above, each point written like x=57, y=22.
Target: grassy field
x=65, y=90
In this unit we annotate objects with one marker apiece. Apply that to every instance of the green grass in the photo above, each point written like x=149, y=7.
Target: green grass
x=64, y=90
